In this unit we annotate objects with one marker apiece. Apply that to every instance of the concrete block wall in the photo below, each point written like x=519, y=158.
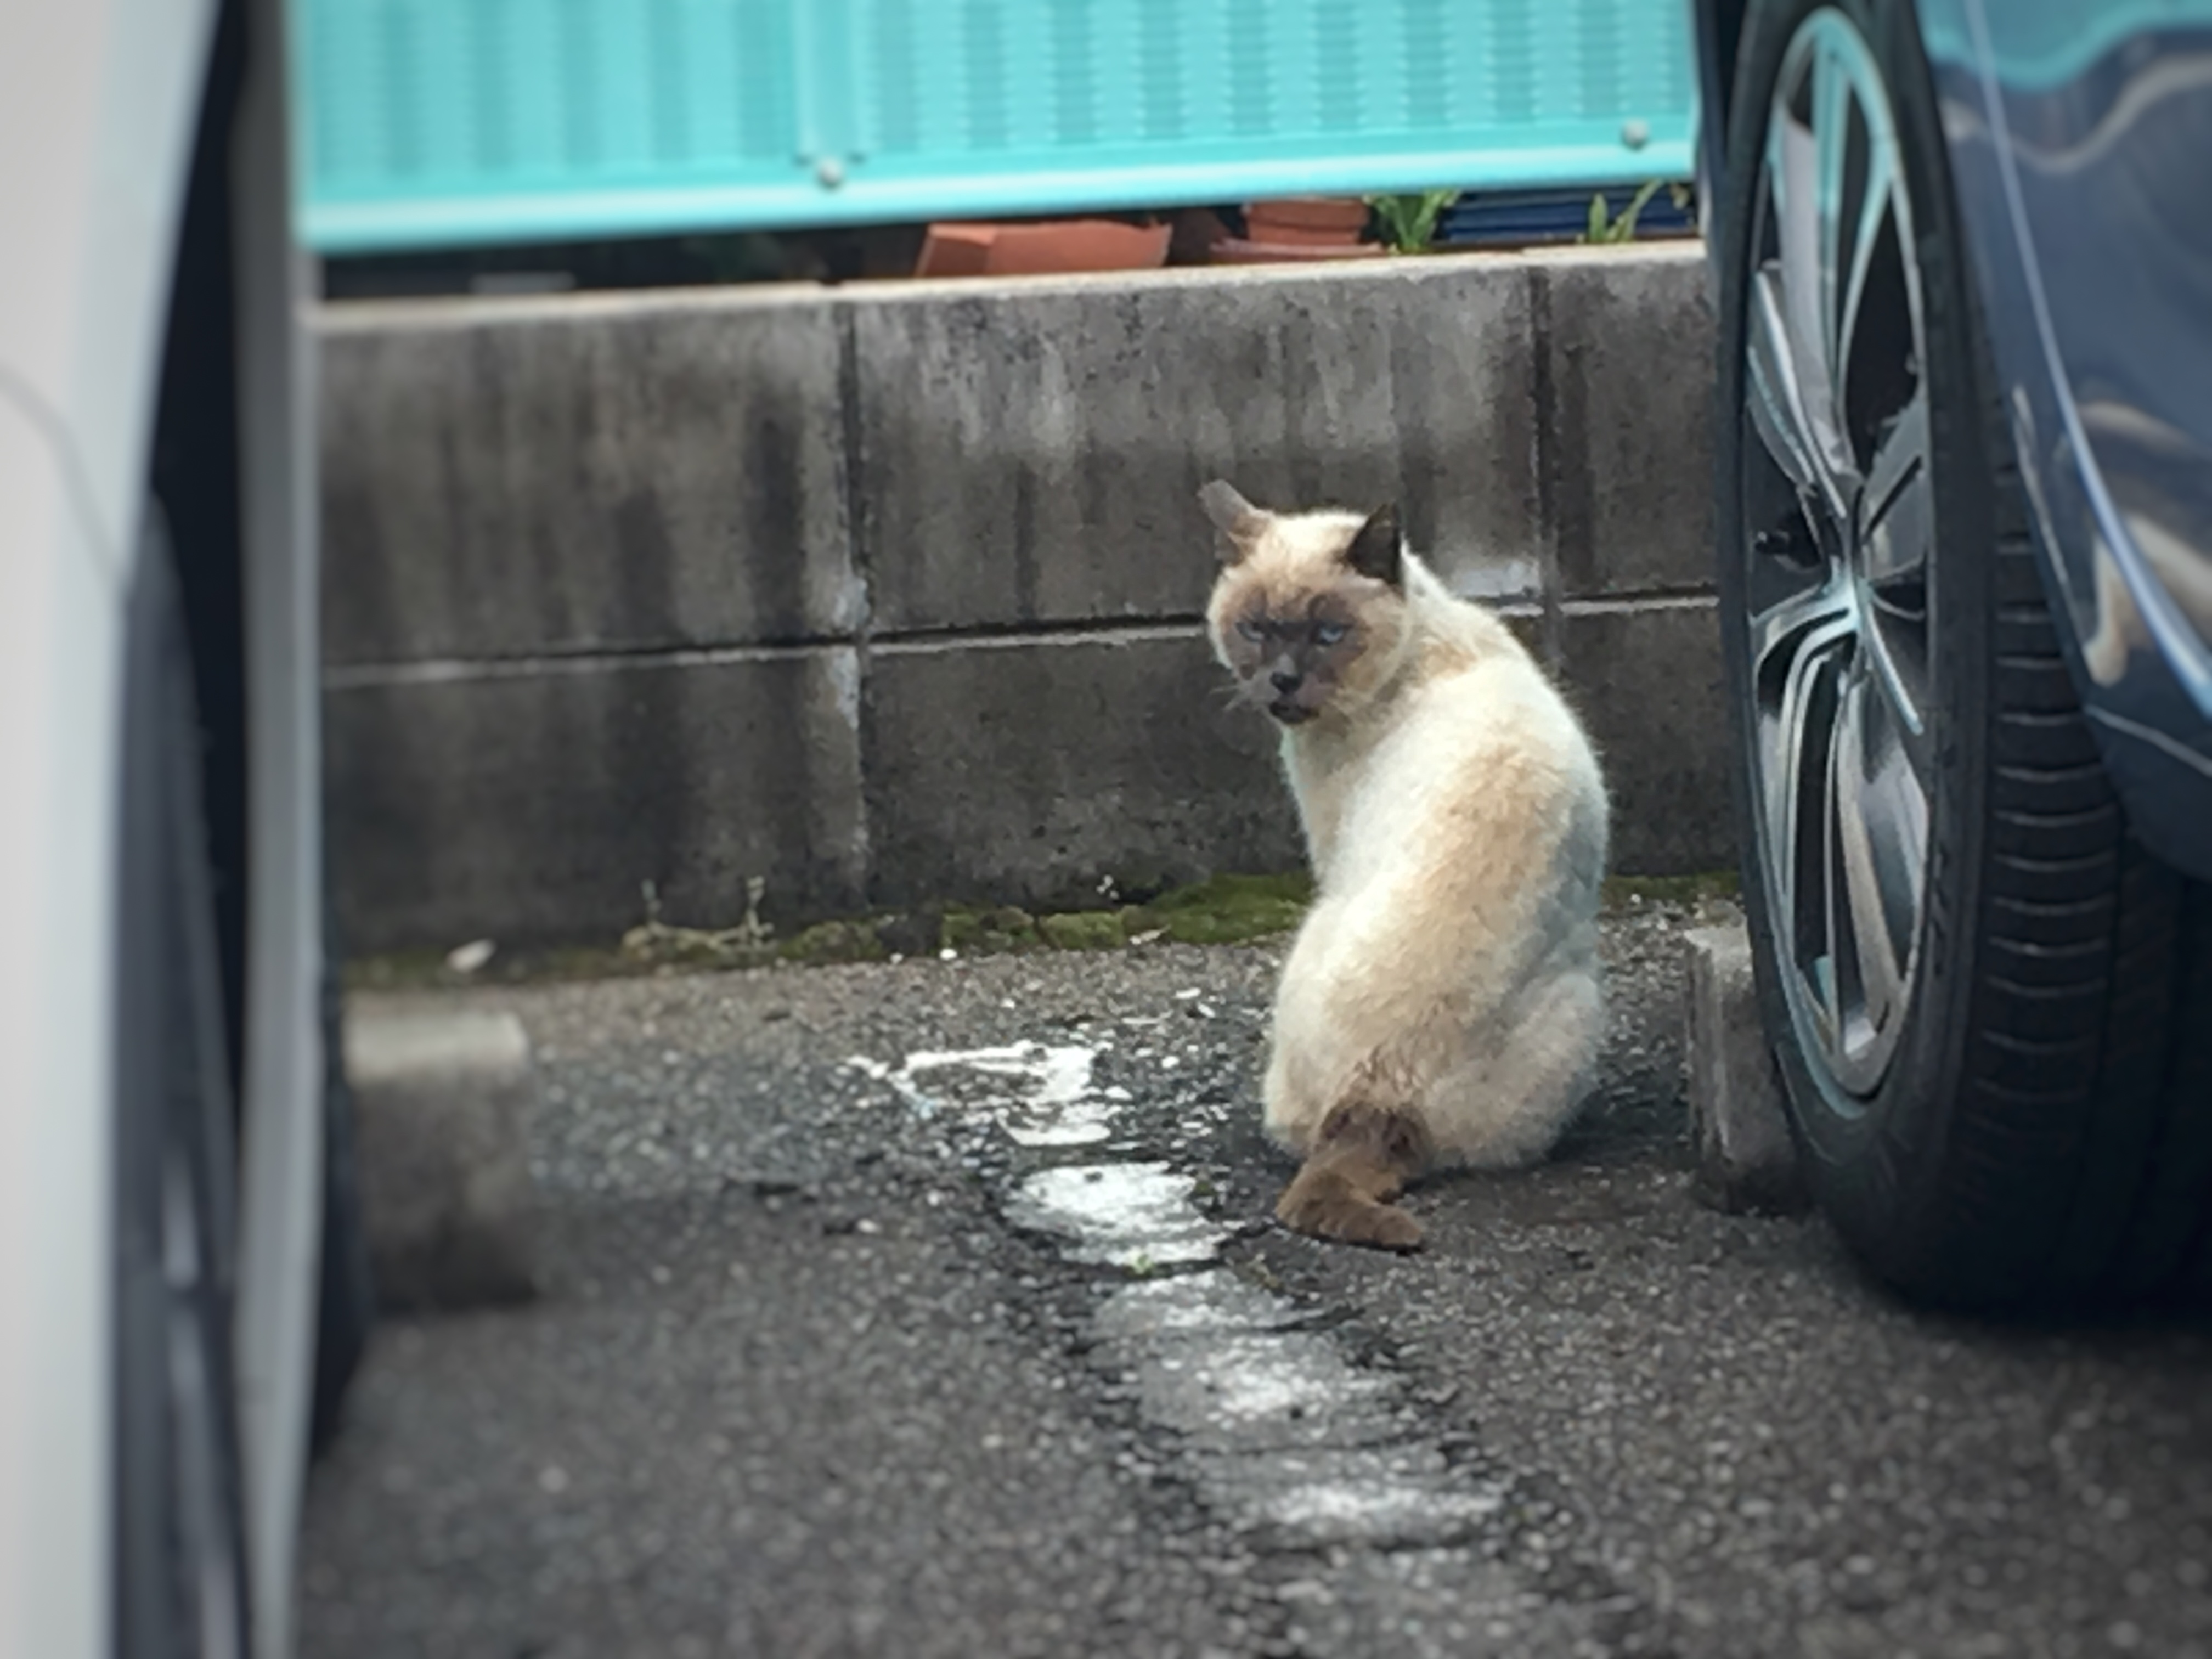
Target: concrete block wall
x=890, y=594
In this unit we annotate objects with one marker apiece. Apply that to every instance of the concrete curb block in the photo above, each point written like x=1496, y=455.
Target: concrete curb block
x=442, y=1103
x=1745, y=1159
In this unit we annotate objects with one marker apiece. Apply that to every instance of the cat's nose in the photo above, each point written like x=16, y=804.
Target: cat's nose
x=1287, y=681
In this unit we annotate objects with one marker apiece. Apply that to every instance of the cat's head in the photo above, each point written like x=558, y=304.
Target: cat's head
x=1310, y=611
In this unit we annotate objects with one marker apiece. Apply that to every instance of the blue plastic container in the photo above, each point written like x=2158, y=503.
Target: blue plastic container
x=1515, y=218
x=429, y=123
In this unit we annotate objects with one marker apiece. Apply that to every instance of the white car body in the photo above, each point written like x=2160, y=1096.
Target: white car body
x=99, y=102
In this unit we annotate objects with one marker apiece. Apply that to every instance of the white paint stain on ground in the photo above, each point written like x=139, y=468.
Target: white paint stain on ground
x=1286, y=1434
x=1118, y=1214
x=1276, y=1377
x=1191, y=1304
x=1051, y=1103
x=1376, y=1505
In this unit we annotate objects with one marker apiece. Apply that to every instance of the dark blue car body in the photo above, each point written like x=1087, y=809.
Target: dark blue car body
x=2080, y=139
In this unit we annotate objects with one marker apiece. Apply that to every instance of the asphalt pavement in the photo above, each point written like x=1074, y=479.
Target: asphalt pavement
x=932, y=1308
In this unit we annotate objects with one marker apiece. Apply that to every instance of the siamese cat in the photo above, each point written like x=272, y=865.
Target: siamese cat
x=1441, y=1004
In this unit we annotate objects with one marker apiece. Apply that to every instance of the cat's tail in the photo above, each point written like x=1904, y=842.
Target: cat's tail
x=1366, y=1151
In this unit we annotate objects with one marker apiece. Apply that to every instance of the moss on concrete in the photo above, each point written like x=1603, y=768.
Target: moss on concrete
x=834, y=941
x=1223, y=910
x=1082, y=930
x=988, y=932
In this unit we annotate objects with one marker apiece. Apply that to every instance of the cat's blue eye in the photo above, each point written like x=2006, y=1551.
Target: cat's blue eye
x=1251, y=629
x=1327, y=633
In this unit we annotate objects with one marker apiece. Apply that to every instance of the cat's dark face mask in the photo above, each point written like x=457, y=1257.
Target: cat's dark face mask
x=1302, y=604
x=1290, y=663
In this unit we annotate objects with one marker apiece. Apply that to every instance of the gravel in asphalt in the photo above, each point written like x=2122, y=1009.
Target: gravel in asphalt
x=842, y=1349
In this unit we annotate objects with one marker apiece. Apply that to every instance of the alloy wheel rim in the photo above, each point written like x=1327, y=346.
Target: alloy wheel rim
x=1838, y=520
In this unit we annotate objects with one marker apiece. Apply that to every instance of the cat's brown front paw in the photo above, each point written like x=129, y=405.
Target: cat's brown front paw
x=1334, y=1209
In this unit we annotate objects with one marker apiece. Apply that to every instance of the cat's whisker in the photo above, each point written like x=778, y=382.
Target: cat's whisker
x=1238, y=696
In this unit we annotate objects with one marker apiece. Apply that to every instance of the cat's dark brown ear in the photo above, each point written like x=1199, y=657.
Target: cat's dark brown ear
x=1238, y=521
x=1378, y=550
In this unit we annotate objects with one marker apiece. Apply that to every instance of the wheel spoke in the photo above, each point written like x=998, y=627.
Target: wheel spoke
x=1798, y=650
x=1806, y=778
x=1896, y=515
x=1782, y=403
x=1874, y=207
x=1805, y=622
x=1896, y=535
x=1880, y=824
x=1893, y=675
x=1832, y=100
x=1793, y=396
x=1822, y=954
x=1890, y=680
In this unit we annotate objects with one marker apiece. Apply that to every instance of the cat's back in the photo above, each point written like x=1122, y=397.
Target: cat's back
x=1483, y=716
x=1484, y=776
x=1483, y=826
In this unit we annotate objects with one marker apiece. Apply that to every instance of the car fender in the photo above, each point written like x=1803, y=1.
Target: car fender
x=2095, y=271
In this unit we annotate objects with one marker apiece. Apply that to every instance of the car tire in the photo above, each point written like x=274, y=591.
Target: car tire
x=1991, y=1009
x=180, y=1547
x=345, y=1304
x=196, y=471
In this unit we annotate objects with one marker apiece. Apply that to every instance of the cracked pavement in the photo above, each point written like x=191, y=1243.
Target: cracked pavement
x=932, y=1308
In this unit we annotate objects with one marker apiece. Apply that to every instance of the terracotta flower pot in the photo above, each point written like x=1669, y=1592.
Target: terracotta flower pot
x=1235, y=251
x=1266, y=230
x=1311, y=219
x=1068, y=244
x=956, y=250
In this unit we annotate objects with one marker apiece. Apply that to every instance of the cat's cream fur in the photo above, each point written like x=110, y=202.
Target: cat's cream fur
x=1441, y=1002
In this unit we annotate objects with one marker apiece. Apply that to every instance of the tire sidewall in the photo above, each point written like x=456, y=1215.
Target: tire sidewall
x=1875, y=1165
x=177, y=1445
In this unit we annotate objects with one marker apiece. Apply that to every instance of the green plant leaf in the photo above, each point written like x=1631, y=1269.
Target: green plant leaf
x=1391, y=211
x=1409, y=221
x=1433, y=203
x=1624, y=229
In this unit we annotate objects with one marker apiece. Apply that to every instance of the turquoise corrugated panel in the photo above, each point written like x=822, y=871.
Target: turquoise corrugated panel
x=428, y=122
